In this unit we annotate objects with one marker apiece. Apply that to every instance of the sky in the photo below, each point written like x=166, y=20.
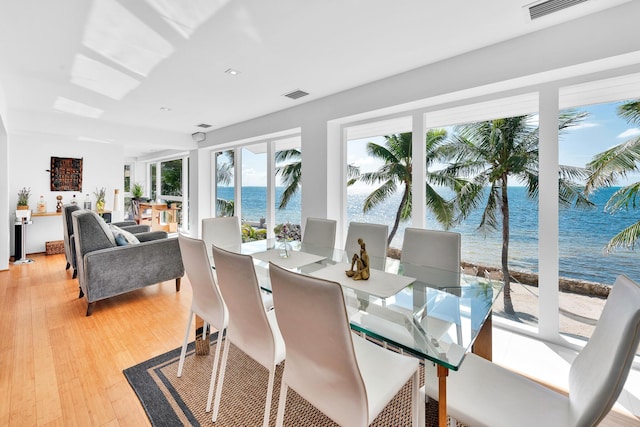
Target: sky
x=599, y=131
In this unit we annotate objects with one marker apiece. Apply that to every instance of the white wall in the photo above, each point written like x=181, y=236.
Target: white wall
x=29, y=160
x=4, y=198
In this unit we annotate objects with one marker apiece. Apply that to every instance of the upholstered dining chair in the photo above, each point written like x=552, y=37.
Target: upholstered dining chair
x=375, y=237
x=224, y=232
x=206, y=302
x=252, y=329
x=346, y=377
x=432, y=249
x=482, y=393
x=320, y=232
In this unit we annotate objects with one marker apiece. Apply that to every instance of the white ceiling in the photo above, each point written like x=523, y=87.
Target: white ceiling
x=103, y=70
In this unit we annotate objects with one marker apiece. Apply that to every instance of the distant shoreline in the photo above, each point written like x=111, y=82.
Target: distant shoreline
x=565, y=284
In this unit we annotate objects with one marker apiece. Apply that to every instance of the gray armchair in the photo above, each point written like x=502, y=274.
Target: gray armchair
x=69, y=245
x=106, y=269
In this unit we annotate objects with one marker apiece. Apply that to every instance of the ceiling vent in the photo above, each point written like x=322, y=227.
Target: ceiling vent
x=296, y=94
x=551, y=6
x=204, y=126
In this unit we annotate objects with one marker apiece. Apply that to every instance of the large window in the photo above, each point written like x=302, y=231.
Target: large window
x=267, y=176
x=168, y=183
x=589, y=258
x=224, y=183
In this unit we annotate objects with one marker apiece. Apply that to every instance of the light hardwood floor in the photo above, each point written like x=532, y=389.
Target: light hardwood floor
x=59, y=367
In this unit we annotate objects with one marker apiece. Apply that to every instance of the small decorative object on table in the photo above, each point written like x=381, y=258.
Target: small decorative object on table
x=23, y=198
x=100, y=198
x=285, y=234
x=59, y=204
x=42, y=205
x=361, y=264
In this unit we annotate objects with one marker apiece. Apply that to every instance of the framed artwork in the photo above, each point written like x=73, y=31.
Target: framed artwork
x=66, y=174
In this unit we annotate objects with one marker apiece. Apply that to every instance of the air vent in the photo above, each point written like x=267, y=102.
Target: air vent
x=551, y=6
x=296, y=94
x=204, y=126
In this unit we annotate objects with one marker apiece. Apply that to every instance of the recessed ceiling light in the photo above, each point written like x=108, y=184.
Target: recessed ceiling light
x=165, y=108
x=232, y=72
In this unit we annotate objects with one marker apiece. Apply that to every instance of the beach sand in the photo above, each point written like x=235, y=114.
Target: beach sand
x=578, y=313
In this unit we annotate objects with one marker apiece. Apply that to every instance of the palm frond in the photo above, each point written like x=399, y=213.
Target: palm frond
x=630, y=111
x=442, y=209
x=624, y=198
x=627, y=238
x=614, y=163
x=379, y=195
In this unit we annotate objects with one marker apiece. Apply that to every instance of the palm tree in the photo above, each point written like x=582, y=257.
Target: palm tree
x=607, y=167
x=396, y=172
x=291, y=173
x=224, y=176
x=492, y=152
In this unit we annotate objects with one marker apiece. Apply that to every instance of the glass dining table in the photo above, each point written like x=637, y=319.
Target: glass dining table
x=430, y=313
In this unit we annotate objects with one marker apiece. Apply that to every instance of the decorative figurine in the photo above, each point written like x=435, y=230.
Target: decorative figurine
x=361, y=262
x=59, y=204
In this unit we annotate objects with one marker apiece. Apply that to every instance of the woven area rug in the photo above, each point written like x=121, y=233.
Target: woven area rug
x=172, y=401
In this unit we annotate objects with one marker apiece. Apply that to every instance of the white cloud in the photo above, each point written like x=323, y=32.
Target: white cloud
x=630, y=133
x=585, y=125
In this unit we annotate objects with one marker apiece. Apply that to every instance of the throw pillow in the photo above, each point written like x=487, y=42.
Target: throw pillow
x=123, y=237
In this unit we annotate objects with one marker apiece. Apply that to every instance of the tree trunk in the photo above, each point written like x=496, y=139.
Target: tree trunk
x=508, y=304
x=405, y=196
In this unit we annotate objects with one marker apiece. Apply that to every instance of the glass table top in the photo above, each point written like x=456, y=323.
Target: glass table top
x=433, y=313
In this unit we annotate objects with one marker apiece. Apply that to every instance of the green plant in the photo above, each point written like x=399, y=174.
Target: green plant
x=23, y=196
x=137, y=191
x=100, y=194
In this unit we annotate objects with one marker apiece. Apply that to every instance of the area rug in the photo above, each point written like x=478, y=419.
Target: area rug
x=172, y=401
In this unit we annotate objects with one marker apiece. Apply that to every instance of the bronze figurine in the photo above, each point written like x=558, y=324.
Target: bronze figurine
x=361, y=264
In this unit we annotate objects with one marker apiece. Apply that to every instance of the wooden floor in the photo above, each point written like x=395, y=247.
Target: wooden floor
x=58, y=367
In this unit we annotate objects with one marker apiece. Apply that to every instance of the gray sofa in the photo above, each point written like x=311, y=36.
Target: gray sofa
x=106, y=269
x=67, y=228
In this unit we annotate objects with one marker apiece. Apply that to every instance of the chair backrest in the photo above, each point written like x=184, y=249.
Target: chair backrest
x=321, y=365
x=432, y=249
x=67, y=231
x=224, y=232
x=249, y=328
x=206, y=300
x=90, y=233
x=375, y=237
x=598, y=373
x=320, y=232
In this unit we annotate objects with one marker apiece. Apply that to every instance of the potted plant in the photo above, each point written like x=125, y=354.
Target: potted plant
x=23, y=198
x=137, y=191
x=100, y=198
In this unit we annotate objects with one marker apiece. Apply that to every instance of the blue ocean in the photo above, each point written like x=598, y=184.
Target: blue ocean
x=583, y=232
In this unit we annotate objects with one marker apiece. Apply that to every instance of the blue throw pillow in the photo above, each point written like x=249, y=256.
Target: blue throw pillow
x=123, y=237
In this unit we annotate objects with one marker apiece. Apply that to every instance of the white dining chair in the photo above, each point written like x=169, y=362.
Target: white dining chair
x=320, y=232
x=206, y=300
x=482, y=393
x=375, y=237
x=252, y=329
x=224, y=232
x=439, y=251
x=346, y=377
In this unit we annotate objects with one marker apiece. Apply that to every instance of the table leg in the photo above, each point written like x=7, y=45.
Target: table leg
x=483, y=346
x=442, y=395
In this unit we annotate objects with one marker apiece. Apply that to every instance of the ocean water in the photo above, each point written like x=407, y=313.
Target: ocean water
x=583, y=233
